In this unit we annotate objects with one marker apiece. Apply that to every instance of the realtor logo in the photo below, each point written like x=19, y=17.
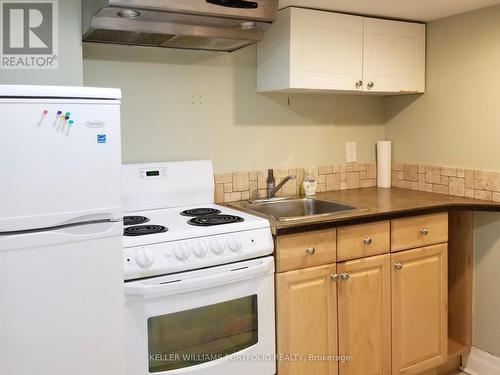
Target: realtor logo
x=29, y=34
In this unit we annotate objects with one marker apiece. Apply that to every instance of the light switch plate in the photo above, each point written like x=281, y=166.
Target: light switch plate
x=351, y=152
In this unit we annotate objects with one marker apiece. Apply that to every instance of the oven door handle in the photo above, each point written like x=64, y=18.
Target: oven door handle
x=236, y=274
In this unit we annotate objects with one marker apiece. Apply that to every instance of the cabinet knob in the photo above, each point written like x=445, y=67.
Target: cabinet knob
x=344, y=276
x=359, y=84
x=334, y=277
x=424, y=231
x=368, y=241
x=370, y=85
x=398, y=266
x=310, y=251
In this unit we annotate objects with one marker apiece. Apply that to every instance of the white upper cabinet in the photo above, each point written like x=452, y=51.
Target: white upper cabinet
x=326, y=51
x=394, y=56
x=311, y=50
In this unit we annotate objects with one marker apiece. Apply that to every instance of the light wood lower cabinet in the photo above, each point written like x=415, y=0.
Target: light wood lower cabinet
x=303, y=250
x=418, y=231
x=419, y=309
x=364, y=315
x=306, y=309
x=388, y=313
x=365, y=240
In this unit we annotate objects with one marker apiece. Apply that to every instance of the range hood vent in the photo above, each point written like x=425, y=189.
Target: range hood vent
x=214, y=25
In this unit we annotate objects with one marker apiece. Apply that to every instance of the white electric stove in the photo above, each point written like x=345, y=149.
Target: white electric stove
x=173, y=232
x=199, y=276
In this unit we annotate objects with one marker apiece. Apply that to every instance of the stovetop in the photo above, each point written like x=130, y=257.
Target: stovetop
x=181, y=223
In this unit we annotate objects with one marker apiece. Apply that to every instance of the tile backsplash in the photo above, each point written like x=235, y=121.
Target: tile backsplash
x=459, y=182
x=232, y=187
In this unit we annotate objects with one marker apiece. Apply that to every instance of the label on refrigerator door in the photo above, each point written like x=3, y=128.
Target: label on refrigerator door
x=95, y=124
x=101, y=138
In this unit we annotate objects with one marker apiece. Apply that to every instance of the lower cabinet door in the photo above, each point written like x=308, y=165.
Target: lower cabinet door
x=419, y=309
x=306, y=321
x=364, y=316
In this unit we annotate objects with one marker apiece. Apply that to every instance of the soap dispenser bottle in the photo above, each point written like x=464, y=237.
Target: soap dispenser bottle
x=310, y=184
x=270, y=183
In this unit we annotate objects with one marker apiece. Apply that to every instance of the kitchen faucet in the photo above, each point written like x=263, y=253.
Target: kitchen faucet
x=272, y=188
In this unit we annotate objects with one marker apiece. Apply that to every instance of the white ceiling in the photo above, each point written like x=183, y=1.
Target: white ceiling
x=417, y=10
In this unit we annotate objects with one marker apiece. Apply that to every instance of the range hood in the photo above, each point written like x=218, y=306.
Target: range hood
x=214, y=25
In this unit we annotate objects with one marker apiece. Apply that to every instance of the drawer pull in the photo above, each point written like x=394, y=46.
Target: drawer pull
x=368, y=241
x=310, y=251
x=344, y=276
x=424, y=231
x=334, y=277
x=398, y=266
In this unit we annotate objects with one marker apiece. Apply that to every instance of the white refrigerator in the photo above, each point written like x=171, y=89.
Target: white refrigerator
x=61, y=272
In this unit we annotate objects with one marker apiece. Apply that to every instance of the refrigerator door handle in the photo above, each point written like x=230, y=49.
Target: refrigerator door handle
x=99, y=217
x=68, y=234
x=88, y=229
x=22, y=225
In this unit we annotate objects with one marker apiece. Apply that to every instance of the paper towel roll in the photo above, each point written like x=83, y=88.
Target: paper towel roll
x=384, y=164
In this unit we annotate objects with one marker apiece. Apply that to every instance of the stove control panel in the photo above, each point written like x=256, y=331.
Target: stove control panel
x=178, y=256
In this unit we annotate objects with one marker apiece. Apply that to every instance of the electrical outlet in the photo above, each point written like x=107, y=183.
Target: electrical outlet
x=351, y=153
x=197, y=98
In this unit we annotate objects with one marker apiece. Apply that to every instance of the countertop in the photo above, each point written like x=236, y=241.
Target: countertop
x=379, y=204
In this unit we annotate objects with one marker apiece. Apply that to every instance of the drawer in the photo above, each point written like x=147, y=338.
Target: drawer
x=364, y=240
x=419, y=231
x=304, y=250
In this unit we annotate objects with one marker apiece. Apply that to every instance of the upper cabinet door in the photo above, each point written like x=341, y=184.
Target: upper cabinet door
x=394, y=56
x=326, y=50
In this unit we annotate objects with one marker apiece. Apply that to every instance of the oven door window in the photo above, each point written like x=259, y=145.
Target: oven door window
x=191, y=337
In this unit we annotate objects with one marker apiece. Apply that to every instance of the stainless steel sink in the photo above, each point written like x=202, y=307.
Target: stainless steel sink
x=295, y=209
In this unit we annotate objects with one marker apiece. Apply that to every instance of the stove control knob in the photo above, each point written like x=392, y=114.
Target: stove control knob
x=144, y=258
x=200, y=248
x=218, y=247
x=234, y=244
x=181, y=252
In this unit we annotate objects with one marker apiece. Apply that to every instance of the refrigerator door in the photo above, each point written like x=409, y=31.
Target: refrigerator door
x=61, y=309
x=60, y=162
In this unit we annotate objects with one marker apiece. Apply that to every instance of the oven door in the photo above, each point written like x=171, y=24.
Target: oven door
x=215, y=321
